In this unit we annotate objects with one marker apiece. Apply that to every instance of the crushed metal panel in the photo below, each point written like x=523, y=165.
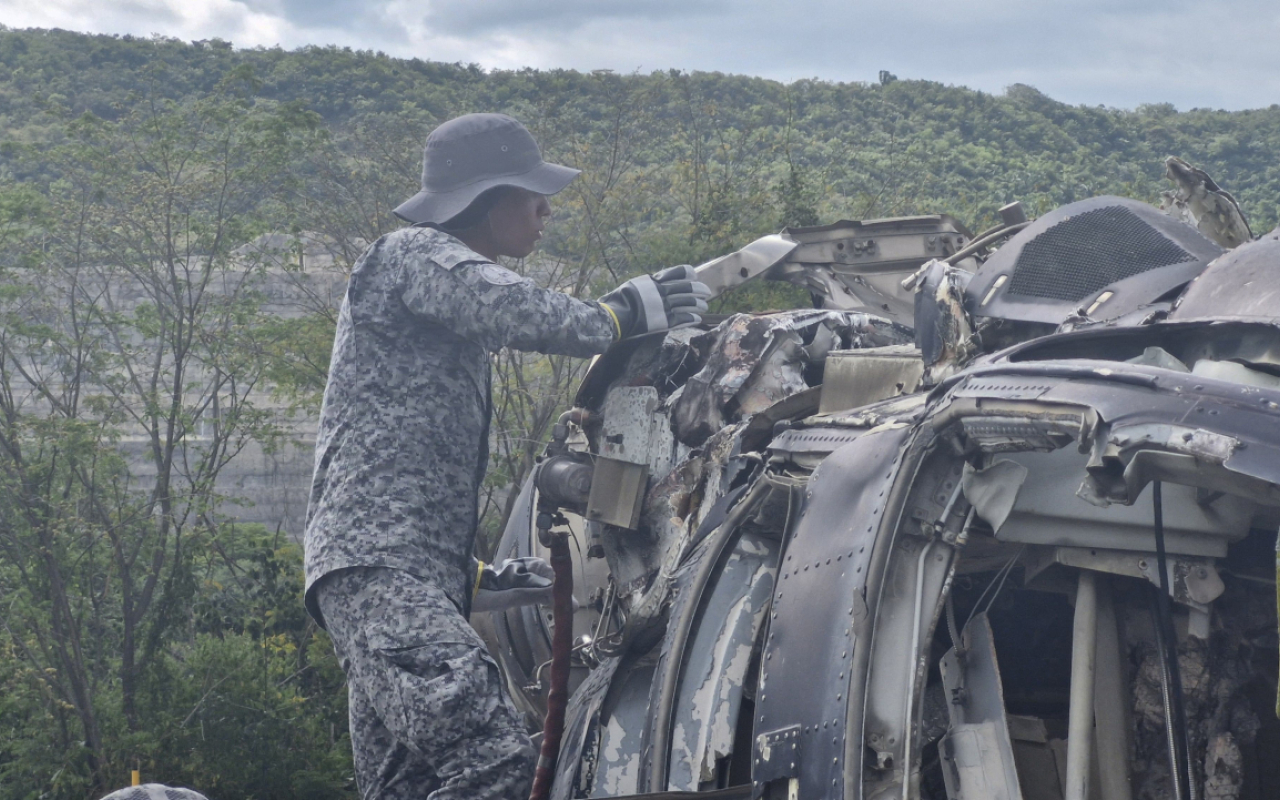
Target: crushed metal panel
x=716, y=662
x=621, y=734
x=1047, y=511
x=757, y=361
x=582, y=719
x=681, y=597
x=1132, y=399
x=977, y=753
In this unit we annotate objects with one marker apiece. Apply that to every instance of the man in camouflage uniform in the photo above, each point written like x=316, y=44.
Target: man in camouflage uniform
x=402, y=446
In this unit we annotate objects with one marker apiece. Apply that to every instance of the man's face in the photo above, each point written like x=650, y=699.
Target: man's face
x=517, y=221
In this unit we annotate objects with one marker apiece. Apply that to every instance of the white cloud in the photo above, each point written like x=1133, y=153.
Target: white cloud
x=1113, y=52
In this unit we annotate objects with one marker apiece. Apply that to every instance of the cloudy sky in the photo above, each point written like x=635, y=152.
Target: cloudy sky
x=1192, y=53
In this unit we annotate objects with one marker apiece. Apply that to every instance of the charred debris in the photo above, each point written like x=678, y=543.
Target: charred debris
x=995, y=519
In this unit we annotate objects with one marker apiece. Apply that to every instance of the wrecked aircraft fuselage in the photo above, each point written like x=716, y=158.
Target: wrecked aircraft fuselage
x=977, y=527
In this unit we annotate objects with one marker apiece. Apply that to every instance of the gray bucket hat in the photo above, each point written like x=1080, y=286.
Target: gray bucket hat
x=468, y=155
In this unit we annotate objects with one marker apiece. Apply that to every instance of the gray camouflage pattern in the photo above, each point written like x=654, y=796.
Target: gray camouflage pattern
x=429, y=717
x=402, y=440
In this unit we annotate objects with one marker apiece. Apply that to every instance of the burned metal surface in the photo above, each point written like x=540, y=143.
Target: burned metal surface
x=1198, y=201
x=619, y=757
x=779, y=616
x=582, y=730
x=756, y=362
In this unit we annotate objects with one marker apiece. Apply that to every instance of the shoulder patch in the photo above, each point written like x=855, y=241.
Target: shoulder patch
x=497, y=275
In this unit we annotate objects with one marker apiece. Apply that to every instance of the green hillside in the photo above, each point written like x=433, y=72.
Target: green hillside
x=864, y=149
x=140, y=625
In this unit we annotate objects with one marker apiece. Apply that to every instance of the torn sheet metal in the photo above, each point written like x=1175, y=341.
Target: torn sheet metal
x=977, y=753
x=716, y=662
x=1158, y=412
x=993, y=489
x=943, y=329
x=1199, y=202
x=673, y=511
x=621, y=735
x=756, y=361
x=581, y=728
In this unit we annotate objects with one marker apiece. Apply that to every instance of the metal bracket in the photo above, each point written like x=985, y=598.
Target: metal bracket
x=1194, y=582
x=777, y=756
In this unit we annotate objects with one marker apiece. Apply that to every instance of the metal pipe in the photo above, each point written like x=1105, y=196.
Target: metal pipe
x=561, y=649
x=985, y=240
x=915, y=647
x=1111, y=702
x=1167, y=643
x=1166, y=699
x=1084, y=652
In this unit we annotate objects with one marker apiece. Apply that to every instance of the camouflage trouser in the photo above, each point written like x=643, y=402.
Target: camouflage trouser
x=429, y=717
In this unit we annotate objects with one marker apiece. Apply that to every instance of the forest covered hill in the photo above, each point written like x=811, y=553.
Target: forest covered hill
x=141, y=625
x=864, y=149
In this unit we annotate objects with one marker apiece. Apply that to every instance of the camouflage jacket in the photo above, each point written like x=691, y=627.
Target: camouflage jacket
x=402, y=442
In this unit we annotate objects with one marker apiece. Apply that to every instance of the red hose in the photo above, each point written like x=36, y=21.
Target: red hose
x=561, y=647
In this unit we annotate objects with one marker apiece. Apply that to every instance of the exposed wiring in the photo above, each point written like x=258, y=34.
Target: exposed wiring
x=998, y=583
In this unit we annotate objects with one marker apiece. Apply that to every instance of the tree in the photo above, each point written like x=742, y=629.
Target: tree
x=131, y=373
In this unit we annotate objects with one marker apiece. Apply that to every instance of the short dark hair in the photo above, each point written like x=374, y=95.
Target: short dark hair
x=475, y=213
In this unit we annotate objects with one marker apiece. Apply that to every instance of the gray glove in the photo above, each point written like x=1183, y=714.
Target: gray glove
x=668, y=299
x=515, y=582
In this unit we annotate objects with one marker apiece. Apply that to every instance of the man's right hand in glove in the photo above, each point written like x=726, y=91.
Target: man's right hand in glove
x=668, y=299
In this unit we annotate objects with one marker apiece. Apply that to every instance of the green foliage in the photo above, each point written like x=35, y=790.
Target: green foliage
x=134, y=352
x=138, y=626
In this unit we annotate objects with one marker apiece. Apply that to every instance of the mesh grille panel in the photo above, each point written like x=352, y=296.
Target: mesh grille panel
x=1082, y=254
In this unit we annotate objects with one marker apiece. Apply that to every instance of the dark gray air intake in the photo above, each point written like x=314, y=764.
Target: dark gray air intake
x=1105, y=255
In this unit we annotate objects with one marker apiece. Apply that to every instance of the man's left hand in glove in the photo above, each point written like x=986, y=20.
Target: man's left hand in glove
x=513, y=583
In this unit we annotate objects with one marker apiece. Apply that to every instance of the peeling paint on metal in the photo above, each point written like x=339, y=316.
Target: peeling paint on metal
x=717, y=661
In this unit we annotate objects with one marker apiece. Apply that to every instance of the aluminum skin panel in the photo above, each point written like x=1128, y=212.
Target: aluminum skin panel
x=716, y=662
x=820, y=614
x=977, y=751
x=621, y=734
x=1140, y=399
x=581, y=721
